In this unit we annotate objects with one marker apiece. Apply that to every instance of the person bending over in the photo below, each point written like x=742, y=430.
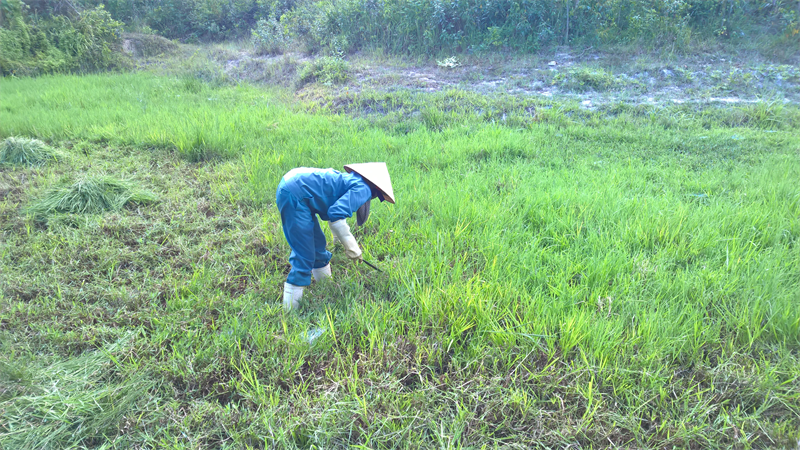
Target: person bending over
x=305, y=193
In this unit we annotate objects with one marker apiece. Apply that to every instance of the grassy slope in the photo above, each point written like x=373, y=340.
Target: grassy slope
x=583, y=278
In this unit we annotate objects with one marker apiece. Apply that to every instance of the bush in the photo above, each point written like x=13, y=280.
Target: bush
x=326, y=70
x=337, y=27
x=35, y=46
x=412, y=26
x=10, y=52
x=270, y=37
x=306, y=26
x=93, y=41
x=189, y=19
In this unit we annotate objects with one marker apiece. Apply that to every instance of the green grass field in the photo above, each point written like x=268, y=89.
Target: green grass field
x=552, y=276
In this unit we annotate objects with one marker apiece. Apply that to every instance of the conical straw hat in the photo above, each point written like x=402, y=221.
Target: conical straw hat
x=377, y=174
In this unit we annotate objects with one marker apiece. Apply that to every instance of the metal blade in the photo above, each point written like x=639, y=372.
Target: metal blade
x=369, y=264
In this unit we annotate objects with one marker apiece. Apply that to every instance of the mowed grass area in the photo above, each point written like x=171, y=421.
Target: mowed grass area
x=625, y=277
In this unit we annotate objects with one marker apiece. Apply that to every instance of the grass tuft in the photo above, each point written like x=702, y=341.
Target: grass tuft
x=90, y=195
x=22, y=151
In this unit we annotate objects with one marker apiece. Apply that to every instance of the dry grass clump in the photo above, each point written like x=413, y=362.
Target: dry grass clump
x=22, y=151
x=91, y=195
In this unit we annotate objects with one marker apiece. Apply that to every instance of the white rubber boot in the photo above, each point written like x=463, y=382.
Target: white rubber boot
x=291, y=296
x=321, y=273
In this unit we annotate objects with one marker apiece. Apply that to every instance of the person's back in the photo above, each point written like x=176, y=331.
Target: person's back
x=330, y=194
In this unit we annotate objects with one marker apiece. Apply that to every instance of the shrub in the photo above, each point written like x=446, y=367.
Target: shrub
x=326, y=70
x=10, y=51
x=93, y=42
x=412, y=26
x=270, y=37
x=21, y=151
x=37, y=45
x=306, y=26
x=90, y=195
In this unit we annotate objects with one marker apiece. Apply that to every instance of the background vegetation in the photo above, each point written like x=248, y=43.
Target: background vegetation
x=46, y=35
x=30, y=44
x=430, y=26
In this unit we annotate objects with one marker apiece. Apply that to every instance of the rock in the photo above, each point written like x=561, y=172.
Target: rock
x=552, y=63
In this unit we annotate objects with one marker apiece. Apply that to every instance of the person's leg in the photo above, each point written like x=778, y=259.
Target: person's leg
x=298, y=228
x=321, y=254
x=322, y=257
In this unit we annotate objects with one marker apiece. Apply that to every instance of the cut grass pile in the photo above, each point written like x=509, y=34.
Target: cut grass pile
x=22, y=151
x=618, y=277
x=70, y=402
x=90, y=195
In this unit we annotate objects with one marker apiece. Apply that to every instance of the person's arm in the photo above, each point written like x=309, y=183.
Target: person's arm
x=348, y=203
x=341, y=231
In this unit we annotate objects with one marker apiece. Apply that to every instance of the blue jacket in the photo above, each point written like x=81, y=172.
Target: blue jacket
x=330, y=194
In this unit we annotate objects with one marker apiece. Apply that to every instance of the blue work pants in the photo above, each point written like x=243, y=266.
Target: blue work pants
x=304, y=235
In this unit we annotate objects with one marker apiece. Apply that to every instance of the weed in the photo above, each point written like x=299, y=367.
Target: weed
x=279, y=71
x=147, y=45
x=448, y=63
x=72, y=402
x=585, y=79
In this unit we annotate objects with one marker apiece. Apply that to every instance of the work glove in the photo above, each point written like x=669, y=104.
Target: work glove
x=341, y=232
x=321, y=273
x=291, y=296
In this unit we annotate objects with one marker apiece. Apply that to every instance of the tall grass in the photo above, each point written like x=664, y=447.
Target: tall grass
x=150, y=112
x=589, y=278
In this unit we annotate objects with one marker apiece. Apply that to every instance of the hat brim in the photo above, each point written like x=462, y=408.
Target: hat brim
x=376, y=175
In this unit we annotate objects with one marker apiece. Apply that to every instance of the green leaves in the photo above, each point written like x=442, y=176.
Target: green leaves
x=87, y=43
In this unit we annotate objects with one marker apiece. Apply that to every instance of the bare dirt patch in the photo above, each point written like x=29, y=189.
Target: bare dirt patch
x=590, y=77
x=593, y=79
